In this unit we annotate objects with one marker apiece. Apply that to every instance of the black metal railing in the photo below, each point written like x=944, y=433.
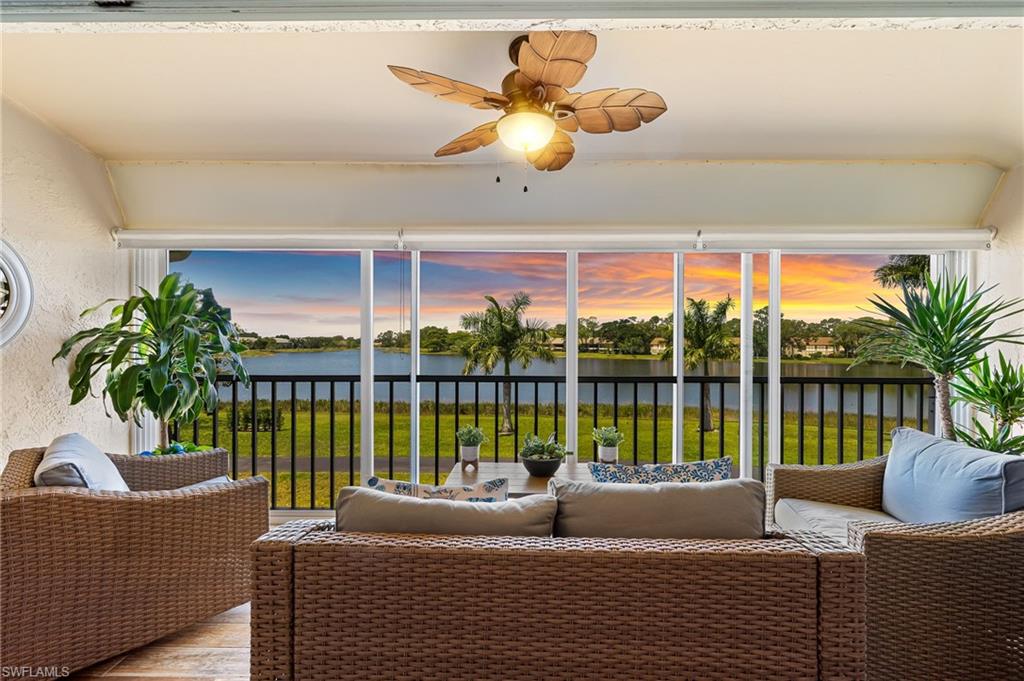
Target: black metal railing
x=302, y=431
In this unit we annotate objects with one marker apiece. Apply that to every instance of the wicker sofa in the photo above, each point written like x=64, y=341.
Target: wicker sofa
x=87, y=574
x=944, y=601
x=333, y=605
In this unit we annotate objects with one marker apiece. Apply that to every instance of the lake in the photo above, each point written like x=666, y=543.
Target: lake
x=346, y=362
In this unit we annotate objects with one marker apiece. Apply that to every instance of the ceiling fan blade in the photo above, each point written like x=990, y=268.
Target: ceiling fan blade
x=449, y=89
x=556, y=155
x=555, y=60
x=612, y=109
x=480, y=136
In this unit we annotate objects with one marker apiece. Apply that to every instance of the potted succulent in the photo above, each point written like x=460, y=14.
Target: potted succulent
x=470, y=438
x=159, y=354
x=608, y=440
x=542, y=458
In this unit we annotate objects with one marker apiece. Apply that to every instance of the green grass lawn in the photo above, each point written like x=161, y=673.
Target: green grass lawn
x=392, y=442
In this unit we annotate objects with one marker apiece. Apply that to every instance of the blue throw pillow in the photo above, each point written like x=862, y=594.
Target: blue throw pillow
x=932, y=480
x=692, y=471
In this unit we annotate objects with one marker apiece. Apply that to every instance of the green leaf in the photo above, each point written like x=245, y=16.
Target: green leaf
x=128, y=387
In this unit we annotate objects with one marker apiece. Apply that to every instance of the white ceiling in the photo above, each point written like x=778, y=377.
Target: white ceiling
x=927, y=94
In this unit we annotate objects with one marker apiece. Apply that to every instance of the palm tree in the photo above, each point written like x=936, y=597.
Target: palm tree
x=704, y=340
x=943, y=328
x=911, y=270
x=500, y=334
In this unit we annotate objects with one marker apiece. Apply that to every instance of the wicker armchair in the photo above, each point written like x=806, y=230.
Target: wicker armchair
x=87, y=575
x=330, y=605
x=944, y=601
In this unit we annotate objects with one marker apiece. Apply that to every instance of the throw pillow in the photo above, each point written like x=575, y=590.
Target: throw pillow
x=488, y=490
x=691, y=471
x=726, y=509
x=73, y=461
x=369, y=510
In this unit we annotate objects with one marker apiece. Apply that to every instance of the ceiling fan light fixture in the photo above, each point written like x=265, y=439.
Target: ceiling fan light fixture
x=526, y=130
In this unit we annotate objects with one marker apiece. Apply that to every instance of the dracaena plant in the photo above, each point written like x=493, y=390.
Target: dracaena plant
x=158, y=353
x=944, y=327
x=999, y=393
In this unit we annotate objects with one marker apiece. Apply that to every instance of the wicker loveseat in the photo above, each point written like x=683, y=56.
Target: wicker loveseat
x=944, y=601
x=87, y=574
x=333, y=605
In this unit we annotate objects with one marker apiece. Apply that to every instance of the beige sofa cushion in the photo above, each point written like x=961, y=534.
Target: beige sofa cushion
x=368, y=510
x=831, y=520
x=728, y=509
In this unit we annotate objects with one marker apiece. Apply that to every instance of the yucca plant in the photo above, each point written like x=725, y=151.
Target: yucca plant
x=160, y=354
x=944, y=327
x=999, y=393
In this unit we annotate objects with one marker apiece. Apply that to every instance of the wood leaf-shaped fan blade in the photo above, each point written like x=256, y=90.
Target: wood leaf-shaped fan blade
x=480, y=136
x=449, y=89
x=555, y=60
x=556, y=155
x=601, y=111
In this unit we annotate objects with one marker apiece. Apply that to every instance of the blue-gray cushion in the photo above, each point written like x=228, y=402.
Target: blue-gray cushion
x=932, y=480
x=73, y=461
x=831, y=520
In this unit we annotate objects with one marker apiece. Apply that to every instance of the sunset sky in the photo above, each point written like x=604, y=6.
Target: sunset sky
x=305, y=294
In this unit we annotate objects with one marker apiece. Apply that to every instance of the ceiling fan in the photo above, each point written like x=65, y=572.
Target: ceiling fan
x=540, y=111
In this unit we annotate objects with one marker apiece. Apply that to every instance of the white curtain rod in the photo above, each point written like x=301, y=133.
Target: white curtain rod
x=917, y=238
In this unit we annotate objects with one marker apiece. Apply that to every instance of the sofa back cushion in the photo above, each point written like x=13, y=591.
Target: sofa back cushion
x=361, y=509
x=932, y=480
x=73, y=461
x=728, y=509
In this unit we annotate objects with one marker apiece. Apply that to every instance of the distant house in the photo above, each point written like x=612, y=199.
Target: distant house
x=824, y=345
x=659, y=346
x=282, y=341
x=556, y=344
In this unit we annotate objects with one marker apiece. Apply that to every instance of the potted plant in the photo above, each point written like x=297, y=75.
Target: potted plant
x=608, y=440
x=943, y=328
x=470, y=438
x=159, y=354
x=999, y=394
x=542, y=458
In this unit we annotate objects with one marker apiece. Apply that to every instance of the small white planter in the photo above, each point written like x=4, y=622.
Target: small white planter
x=607, y=454
x=470, y=453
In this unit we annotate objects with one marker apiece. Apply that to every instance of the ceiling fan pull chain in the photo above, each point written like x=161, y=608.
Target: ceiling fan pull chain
x=497, y=170
x=526, y=167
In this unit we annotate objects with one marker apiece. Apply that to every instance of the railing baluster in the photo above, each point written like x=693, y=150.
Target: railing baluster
x=702, y=405
x=920, y=407
x=437, y=432
x=497, y=435
x=391, y=429
x=294, y=442
x=312, y=444
x=515, y=421
x=880, y=420
x=273, y=444
x=594, y=445
x=476, y=404
x=234, y=428
x=840, y=423
x=654, y=439
x=860, y=422
x=760, y=430
x=195, y=430
x=821, y=424
x=215, y=426
x=352, y=433
x=536, y=408
x=782, y=423
x=253, y=395
x=899, y=405
x=332, y=448
x=721, y=419
x=800, y=426
x=556, y=410
x=455, y=440
x=636, y=423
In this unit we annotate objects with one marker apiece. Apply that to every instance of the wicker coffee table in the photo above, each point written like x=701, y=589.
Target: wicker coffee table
x=520, y=483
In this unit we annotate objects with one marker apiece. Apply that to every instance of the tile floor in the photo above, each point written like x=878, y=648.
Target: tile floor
x=215, y=649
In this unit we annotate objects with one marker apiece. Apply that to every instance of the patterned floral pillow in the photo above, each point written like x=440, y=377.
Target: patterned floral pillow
x=692, y=471
x=489, y=490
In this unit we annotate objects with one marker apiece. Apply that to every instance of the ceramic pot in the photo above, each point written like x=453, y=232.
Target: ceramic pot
x=469, y=453
x=542, y=468
x=607, y=454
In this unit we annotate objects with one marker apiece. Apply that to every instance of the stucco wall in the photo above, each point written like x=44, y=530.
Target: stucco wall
x=57, y=211
x=1004, y=264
